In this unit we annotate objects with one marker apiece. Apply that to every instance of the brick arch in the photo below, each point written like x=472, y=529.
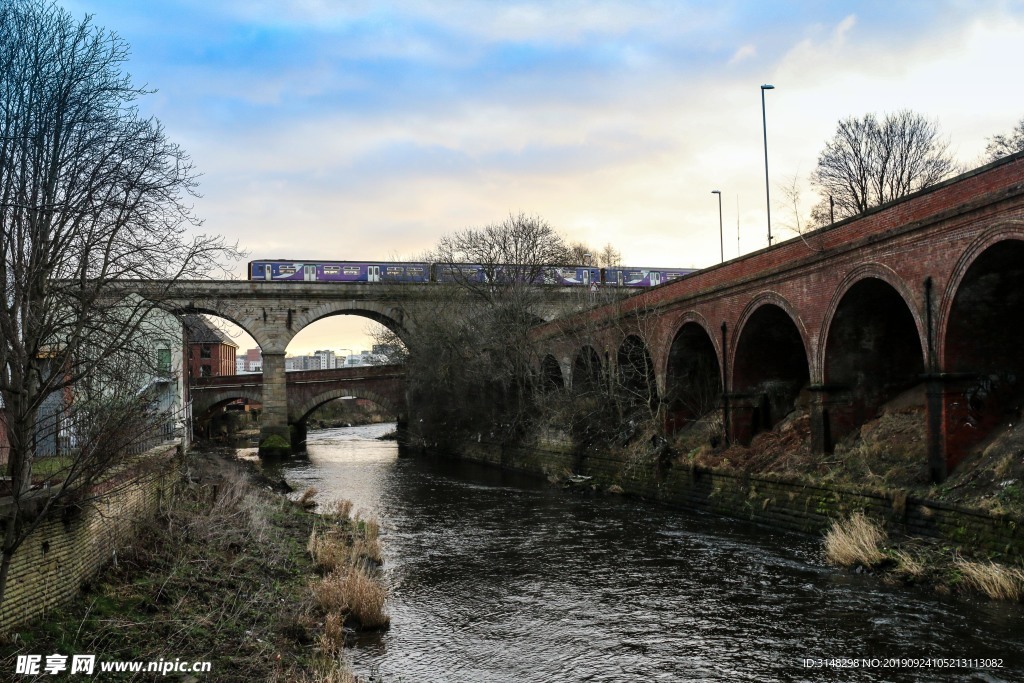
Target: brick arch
x=582, y=361
x=303, y=411
x=863, y=272
x=1004, y=231
x=204, y=402
x=759, y=301
x=676, y=327
x=230, y=313
x=696, y=385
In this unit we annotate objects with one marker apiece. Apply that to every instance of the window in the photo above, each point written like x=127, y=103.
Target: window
x=205, y=352
x=163, y=360
x=204, y=371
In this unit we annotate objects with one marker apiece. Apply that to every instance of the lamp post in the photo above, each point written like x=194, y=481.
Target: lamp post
x=767, y=194
x=721, y=237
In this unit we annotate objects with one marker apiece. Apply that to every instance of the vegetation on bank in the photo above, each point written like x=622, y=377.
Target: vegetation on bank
x=859, y=542
x=228, y=573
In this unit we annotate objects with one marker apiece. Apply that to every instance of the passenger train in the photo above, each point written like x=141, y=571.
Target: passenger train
x=282, y=270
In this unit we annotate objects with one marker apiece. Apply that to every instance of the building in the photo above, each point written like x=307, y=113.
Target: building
x=328, y=360
x=210, y=352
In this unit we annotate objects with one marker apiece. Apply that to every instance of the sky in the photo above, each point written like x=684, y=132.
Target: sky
x=352, y=130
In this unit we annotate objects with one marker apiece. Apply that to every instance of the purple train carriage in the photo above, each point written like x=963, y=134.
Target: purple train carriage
x=283, y=270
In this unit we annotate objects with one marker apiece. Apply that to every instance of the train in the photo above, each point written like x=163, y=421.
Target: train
x=284, y=270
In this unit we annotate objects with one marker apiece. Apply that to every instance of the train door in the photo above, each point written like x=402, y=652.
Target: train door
x=586, y=276
x=309, y=273
x=619, y=278
x=373, y=273
x=655, y=278
x=267, y=274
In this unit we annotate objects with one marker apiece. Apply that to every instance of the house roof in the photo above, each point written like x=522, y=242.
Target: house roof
x=198, y=330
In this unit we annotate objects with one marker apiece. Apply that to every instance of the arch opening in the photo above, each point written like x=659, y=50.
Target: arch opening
x=586, y=371
x=693, y=383
x=551, y=375
x=983, y=342
x=636, y=372
x=770, y=370
x=873, y=353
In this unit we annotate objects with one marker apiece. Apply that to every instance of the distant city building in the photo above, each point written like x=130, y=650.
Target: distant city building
x=328, y=360
x=210, y=352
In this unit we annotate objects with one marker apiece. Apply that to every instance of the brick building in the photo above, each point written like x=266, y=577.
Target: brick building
x=210, y=352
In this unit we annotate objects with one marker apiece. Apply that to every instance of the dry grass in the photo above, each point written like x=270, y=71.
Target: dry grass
x=997, y=581
x=348, y=551
x=857, y=540
x=353, y=592
x=908, y=565
x=306, y=500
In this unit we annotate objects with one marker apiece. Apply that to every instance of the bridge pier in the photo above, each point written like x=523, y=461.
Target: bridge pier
x=299, y=432
x=274, y=422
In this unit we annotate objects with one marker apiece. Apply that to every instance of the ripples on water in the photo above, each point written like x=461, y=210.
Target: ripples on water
x=494, y=577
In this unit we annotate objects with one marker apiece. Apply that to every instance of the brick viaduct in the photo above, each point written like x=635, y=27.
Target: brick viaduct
x=927, y=291
x=306, y=390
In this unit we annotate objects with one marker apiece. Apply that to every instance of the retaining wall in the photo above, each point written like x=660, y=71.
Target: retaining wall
x=73, y=544
x=764, y=499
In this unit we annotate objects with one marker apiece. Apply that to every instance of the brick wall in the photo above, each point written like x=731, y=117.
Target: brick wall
x=768, y=500
x=68, y=549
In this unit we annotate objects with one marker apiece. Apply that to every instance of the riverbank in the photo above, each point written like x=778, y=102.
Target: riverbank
x=229, y=573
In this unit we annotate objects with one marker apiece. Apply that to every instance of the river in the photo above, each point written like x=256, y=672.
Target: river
x=496, y=577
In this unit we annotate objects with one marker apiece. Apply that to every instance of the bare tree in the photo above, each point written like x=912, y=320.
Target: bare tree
x=1000, y=146
x=870, y=162
x=91, y=195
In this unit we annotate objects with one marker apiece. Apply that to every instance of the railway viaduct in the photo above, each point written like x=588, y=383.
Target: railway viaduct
x=306, y=390
x=272, y=313
x=925, y=292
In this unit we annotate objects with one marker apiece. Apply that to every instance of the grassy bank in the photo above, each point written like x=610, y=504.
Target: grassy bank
x=857, y=542
x=227, y=573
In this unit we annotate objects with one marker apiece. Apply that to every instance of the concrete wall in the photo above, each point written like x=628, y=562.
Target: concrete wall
x=73, y=545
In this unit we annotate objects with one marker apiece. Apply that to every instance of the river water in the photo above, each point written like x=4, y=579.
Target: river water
x=495, y=577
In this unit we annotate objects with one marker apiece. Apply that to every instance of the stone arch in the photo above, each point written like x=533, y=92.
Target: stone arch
x=981, y=334
x=301, y=412
x=871, y=351
x=693, y=374
x=391, y=317
x=770, y=365
x=587, y=370
x=551, y=374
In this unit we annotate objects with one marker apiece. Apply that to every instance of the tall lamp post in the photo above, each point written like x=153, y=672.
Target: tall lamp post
x=767, y=194
x=721, y=237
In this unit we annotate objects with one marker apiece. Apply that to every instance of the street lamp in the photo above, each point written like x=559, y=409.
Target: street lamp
x=767, y=194
x=721, y=238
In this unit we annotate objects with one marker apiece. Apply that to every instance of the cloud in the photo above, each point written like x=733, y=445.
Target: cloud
x=745, y=52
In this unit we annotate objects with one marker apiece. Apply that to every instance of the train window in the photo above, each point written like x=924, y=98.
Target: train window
x=332, y=270
x=351, y=270
x=286, y=270
x=411, y=270
x=394, y=270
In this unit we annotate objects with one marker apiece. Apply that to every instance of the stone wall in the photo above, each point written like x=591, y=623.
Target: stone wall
x=73, y=544
x=765, y=499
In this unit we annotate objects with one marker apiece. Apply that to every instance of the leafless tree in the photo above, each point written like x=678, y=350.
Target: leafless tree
x=91, y=194
x=1000, y=146
x=869, y=162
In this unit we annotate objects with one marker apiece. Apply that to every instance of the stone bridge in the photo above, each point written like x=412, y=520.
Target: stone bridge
x=923, y=294
x=306, y=391
x=274, y=312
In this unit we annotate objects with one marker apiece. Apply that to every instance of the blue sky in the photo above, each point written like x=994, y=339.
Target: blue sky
x=354, y=130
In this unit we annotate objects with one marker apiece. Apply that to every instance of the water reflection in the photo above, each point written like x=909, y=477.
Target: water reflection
x=494, y=577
